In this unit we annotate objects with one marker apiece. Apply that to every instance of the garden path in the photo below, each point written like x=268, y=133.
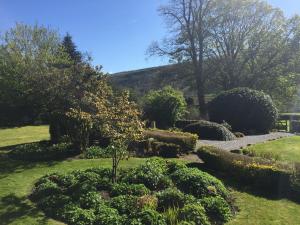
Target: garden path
x=245, y=141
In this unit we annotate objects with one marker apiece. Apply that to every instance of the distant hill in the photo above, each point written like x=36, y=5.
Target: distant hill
x=144, y=80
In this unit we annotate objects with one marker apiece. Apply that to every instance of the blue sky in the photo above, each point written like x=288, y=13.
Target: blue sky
x=115, y=32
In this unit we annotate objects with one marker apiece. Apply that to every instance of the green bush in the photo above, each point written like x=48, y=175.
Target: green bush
x=186, y=141
x=217, y=209
x=129, y=189
x=152, y=174
x=96, y=152
x=246, y=110
x=42, y=151
x=88, y=197
x=125, y=204
x=198, y=183
x=165, y=150
x=151, y=217
x=170, y=198
x=164, y=106
x=194, y=213
x=209, y=130
x=265, y=174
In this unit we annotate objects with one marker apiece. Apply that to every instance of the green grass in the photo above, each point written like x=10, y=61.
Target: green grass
x=17, y=179
x=20, y=135
x=285, y=149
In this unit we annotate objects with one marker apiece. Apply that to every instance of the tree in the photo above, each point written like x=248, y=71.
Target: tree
x=190, y=22
x=71, y=49
x=117, y=118
x=164, y=106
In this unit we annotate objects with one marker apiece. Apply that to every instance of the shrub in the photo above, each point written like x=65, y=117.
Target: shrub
x=152, y=174
x=175, y=165
x=245, y=110
x=166, y=150
x=107, y=216
x=130, y=189
x=164, y=106
x=95, y=152
x=125, y=204
x=90, y=200
x=186, y=141
x=210, y=130
x=151, y=217
x=265, y=174
x=198, y=183
x=42, y=151
x=181, y=124
x=170, y=198
x=194, y=213
x=295, y=126
x=217, y=209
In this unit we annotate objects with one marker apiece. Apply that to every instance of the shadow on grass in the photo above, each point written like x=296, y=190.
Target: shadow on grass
x=253, y=190
x=8, y=165
x=13, y=208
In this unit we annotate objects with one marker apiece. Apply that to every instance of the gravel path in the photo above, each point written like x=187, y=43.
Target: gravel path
x=245, y=141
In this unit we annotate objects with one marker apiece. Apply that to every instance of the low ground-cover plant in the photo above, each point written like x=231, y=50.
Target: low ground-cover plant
x=209, y=130
x=90, y=197
x=43, y=151
x=96, y=152
x=186, y=141
x=267, y=175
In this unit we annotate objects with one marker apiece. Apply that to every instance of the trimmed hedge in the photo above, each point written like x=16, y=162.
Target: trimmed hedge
x=209, y=130
x=246, y=110
x=43, y=151
x=186, y=141
x=264, y=174
x=165, y=150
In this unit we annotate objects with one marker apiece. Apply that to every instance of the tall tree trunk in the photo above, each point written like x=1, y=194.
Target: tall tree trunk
x=201, y=95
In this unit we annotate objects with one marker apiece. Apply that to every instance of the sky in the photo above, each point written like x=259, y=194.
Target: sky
x=116, y=33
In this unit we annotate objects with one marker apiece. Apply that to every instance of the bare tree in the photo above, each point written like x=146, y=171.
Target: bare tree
x=190, y=23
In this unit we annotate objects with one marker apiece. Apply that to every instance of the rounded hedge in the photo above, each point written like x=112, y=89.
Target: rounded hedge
x=90, y=198
x=246, y=110
x=210, y=130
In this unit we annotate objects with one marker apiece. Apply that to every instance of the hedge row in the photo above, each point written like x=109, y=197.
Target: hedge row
x=186, y=141
x=266, y=175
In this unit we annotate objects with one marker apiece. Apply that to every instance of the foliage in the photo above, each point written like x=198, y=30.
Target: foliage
x=151, y=217
x=165, y=150
x=42, y=151
x=70, y=48
x=198, y=183
x=217, y=208
x=181, y=124
x=245, y=110
x=78, y=126
x=164, y=106
x=210, y=130
x=170, y=198
x=295, y=126
x=194, y=213
x=260, y=173
x=129, y=189
x=186, y=141
x=95, y=152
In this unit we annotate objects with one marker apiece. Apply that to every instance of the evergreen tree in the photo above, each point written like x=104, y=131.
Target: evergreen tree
x=71, y=49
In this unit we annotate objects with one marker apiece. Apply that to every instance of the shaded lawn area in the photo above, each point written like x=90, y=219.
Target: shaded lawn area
x=285, y=149
x=21, y=135
x=17, y=179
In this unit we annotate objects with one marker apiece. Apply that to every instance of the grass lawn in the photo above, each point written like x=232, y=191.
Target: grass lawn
x=20, y=135
x=286, y=149
x=17, y=179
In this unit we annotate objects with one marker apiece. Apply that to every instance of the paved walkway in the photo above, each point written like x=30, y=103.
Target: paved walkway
x=245, y=141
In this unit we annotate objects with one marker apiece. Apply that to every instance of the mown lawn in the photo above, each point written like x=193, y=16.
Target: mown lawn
x=17, y=179
x=285, y=149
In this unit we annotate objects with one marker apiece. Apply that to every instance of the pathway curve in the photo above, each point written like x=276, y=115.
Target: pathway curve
x=245, y=141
